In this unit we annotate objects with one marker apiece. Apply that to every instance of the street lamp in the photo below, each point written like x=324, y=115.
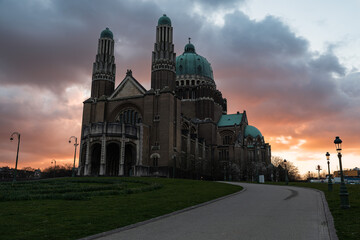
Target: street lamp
x=17, y=152
x=318, y=168
x=329, y=176
x=75, y=145
x=286, y=174
x=344, y=195
x=54, y=161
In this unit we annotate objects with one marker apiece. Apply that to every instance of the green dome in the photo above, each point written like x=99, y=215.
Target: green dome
x=252, y=131
x=164, y=20
x=193, y=64
x=106, y=34
x=189, y=48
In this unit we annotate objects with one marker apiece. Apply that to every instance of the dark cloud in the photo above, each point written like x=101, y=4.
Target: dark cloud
x=215, y=4
x=48, y=47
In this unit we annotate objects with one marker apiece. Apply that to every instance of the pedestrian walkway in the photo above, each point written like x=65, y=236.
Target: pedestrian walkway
x=259, y=212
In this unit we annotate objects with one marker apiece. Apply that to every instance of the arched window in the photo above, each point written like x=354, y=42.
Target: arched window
x=121, y=118
x=125, y=116
x=227, y=140
x=129, y=116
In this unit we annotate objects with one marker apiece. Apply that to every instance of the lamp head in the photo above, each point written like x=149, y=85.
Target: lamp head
x=327, y=156
x=337, y=143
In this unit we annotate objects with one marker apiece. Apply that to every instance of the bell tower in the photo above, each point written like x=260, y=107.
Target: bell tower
x=163, y=57
x=104, y=68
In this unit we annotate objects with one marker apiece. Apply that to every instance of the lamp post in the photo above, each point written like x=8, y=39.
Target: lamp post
x=75, y=145
x=17, y=152
x=54, y=161
x=344, y=195
x=286, y=174
x=318, y=168
x=329, y=176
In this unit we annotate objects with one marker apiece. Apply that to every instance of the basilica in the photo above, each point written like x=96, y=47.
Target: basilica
x=177, y=128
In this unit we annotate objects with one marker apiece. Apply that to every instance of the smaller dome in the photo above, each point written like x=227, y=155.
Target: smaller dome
x=106, y=34
x=252, y=131
x=164, y=20
x=189, y=48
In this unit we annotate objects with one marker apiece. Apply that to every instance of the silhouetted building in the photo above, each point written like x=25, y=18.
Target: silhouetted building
x=178, y=127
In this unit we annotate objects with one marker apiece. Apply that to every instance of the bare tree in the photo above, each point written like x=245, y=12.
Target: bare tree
x=293, y=171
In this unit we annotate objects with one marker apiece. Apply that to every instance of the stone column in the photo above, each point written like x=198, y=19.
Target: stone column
x=87, y=170
x=122, y=151
x=103, y=156
x=204, y=150
x=122, y=157
x=141, y=130
x=80, y=154
x=196, y=148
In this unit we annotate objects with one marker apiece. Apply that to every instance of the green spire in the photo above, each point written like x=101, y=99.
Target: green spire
x=106, y=34
x=189, y=48
x=164, y=20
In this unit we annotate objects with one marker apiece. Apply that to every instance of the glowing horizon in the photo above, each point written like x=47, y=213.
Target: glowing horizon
x=298, y=82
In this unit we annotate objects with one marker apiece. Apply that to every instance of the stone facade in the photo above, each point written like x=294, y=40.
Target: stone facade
x=178, y=128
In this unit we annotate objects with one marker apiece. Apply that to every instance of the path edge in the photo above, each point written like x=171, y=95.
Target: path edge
x=134, y=225
x=328, y=216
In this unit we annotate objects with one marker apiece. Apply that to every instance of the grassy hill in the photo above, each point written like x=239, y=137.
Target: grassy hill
x=71, y=208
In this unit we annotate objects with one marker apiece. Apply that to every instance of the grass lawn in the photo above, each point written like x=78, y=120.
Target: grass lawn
x=347, y=221
x=72, y=208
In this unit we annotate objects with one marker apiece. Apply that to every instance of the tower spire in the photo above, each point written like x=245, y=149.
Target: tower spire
x=104, y=68
x=163, y=56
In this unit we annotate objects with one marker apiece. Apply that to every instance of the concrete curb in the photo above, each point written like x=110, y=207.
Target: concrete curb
x=117, y=230
x=328, y=216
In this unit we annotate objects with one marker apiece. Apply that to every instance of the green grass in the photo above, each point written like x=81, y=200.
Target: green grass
x=347, y=221
x=45, y=211
x=72, y=189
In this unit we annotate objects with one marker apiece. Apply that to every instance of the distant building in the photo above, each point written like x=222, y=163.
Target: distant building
x=348, y=173
x=178, y=128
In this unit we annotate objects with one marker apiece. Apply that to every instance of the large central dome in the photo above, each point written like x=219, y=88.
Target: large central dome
x=190, y=63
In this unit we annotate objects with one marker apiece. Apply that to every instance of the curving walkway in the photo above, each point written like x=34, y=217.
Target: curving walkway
x=258, y=212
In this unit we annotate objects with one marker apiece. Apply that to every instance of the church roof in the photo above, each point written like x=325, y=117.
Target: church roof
x=230, y=120
x=191, y=63
x=128, y=87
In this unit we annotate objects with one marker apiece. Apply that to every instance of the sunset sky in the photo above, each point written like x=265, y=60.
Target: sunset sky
x=295, y=69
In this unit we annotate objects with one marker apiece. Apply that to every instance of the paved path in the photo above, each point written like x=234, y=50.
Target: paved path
x=259, y=212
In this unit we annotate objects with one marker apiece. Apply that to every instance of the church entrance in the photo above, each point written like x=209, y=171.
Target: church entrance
x=95, y=159
x=112, y=159
x=130, y=159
